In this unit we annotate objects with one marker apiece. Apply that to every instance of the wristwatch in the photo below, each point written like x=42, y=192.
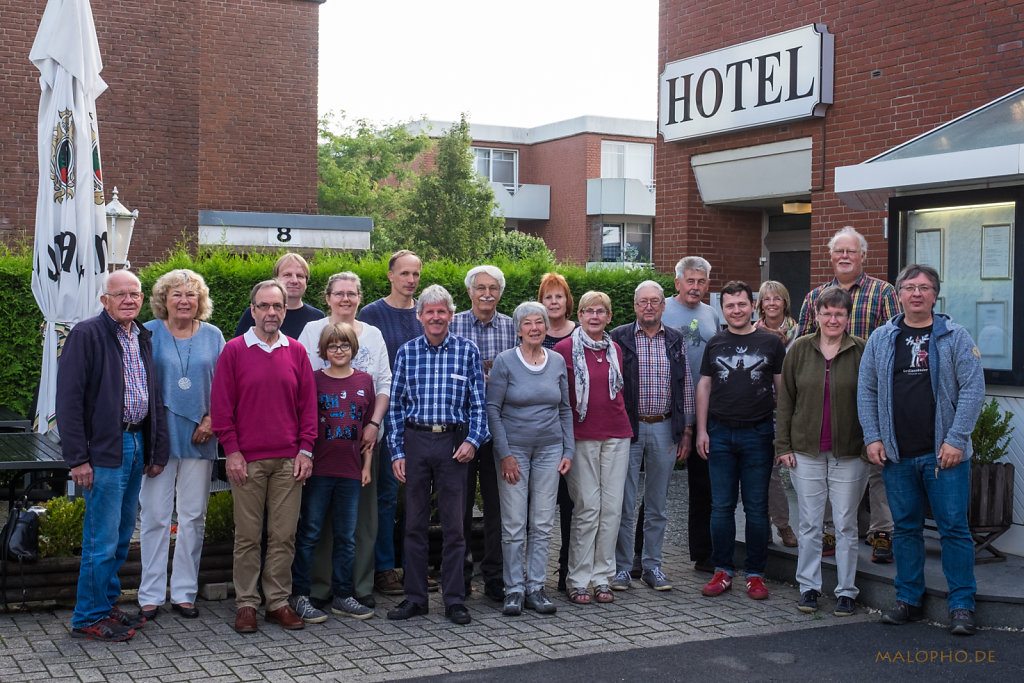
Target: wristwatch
x=306, y=453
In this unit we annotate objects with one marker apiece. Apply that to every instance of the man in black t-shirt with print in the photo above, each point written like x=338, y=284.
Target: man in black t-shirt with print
x=920, y=390
x=741, y=373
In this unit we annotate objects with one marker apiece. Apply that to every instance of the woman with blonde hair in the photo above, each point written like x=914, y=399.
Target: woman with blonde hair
x=185, y=350
x=602, y=432
x=773, y=315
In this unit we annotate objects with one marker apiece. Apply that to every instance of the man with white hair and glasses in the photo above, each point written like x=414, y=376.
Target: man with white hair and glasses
x=492, y=332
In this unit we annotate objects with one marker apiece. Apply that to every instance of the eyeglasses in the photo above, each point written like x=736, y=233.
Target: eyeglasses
x=593, y=311
x=845, y=252
x=345, y=295
x=484, y=289
x=337, y=348
x=914, y=289
x=649, y=303
x=264, y=307
x=121, y=296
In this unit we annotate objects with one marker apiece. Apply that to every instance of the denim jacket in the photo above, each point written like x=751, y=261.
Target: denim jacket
x=957, y=378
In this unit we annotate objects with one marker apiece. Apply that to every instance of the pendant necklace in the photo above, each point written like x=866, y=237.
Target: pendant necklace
x=184, y=383
x=597, y=356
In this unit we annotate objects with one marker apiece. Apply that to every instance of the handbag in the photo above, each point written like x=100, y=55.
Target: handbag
x=19, y=541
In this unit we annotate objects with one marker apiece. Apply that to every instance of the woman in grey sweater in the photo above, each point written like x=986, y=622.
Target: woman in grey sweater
x=531, y=423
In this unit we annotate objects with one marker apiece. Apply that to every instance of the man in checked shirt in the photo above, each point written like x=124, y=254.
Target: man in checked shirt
x=874, y=302
x=436, y=421
x=658, y=391
x=492, y=332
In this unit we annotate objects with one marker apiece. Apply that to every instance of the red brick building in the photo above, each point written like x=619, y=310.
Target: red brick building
x=211, y=106
x=911, y=130
x=898, y=72
x=585, y=185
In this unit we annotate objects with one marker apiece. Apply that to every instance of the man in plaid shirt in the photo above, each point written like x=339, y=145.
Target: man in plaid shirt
x=874, y=302
x=492, y=332
x=113, y=432
x=658, y=391
x=435, y=424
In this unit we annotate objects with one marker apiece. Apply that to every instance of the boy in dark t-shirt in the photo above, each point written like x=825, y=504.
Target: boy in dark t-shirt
x=340, y=468
x=740, y=375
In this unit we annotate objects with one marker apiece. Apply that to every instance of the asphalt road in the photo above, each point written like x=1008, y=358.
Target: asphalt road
x=859, y=651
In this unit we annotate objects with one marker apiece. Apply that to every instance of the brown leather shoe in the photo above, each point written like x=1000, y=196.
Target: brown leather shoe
x=245, y=620
x=286, y=618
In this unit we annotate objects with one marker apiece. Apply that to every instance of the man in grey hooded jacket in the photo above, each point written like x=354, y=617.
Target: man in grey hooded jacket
x=920, y=391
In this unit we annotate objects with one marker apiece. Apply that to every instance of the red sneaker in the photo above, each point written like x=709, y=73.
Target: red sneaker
x=718, y=584
x=756, y=589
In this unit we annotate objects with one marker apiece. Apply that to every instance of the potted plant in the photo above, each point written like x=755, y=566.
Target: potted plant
x=990, y=508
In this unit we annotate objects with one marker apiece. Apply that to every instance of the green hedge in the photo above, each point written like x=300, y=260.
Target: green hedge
x=231, y=276
x=21, y=338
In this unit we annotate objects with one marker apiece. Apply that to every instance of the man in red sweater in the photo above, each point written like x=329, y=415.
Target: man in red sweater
x=263, y=410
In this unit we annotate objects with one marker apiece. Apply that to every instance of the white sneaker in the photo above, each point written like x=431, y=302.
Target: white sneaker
x=350, y=607
x=304, y=608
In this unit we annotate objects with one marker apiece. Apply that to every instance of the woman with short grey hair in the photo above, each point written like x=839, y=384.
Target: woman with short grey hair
x=531, y=423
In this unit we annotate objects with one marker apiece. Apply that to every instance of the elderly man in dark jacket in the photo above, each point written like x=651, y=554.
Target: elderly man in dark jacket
x=658, y=391
x=111, y=421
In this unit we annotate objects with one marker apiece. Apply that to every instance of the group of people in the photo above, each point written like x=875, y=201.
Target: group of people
x=321, y=417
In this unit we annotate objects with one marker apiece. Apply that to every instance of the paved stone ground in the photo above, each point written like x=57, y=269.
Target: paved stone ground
x=37, y=646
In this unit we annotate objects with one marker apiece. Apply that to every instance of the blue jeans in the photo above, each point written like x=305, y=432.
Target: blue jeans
x=655, y=448
x=111, y=508
x=321, y=496
x=740, y=460
x=387, y=506
x=907, y=482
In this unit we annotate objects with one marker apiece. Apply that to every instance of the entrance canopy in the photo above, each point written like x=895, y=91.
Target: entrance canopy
x=981, y=149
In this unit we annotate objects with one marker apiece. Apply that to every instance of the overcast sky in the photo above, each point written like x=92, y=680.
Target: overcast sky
x=519, y=63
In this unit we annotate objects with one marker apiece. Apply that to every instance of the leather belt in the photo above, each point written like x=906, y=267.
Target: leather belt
x=437, y=429
x=131, y=426
x=655, y=419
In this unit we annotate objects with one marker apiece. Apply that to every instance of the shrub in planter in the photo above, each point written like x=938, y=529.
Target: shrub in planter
x=991, y=435
x=220, y=518
x=60, y=529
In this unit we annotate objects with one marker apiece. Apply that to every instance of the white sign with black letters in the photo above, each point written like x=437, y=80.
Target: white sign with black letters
x=784, y=77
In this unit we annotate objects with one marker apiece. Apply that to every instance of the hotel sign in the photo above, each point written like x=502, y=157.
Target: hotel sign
x=784, y=77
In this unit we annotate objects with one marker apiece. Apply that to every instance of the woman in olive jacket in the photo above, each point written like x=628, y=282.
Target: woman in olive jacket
x=819, y=438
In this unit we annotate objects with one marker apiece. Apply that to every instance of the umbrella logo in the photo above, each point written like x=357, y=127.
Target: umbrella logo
x=62, y=157
x=97, y=176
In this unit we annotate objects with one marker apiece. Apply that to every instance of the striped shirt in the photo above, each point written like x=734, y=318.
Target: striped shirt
x=654, y=385
x=491, y=337
x=874, y=302
x=136, y=385
x=441, y=384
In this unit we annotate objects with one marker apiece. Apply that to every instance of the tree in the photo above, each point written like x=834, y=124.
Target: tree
x=448, y=213
x=366, y=169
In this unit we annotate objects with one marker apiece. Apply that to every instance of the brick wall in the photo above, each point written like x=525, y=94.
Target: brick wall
x=938, y=59
x=210, y=106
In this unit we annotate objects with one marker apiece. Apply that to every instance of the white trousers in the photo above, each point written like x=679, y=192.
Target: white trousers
x=842, y=481
x=596, y=481
x=189, y=478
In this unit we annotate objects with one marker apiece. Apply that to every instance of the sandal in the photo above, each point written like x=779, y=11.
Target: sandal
x=603, y=593
x=579, y=596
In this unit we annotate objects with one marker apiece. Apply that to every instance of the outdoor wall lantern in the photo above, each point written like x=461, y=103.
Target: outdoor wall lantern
x=120, y=224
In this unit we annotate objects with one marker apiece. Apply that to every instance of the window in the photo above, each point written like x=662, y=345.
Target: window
x=970, y=238
x=498, y=166
x=628, y=160
x=628, y=242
